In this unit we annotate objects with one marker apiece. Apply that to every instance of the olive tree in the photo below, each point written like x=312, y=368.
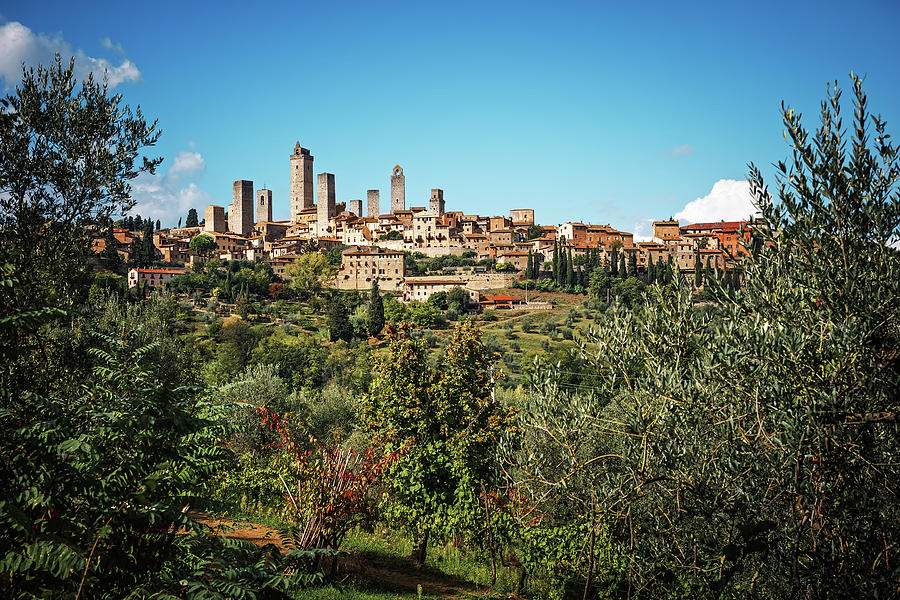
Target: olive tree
x=68, y=152
x=751, y=449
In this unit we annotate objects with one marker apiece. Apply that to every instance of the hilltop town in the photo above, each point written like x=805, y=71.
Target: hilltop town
x=377, y=245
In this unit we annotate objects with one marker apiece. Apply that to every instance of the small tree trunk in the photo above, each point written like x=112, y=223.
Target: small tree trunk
x=520, y=584
x=490, y=532
x=421, y=549
x=590, y=574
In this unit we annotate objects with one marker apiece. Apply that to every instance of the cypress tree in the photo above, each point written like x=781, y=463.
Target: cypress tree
x=555, y=258
x=147, y=247
x=698, y=270
x=614, y=262
x=622, y=271
x=158, y=227
x=560, y=271
x=632, y=263
x=570, y=270
x=192, y=218
x=651, y=275
x=110, y=249
x=529, y=267
x=375, y=320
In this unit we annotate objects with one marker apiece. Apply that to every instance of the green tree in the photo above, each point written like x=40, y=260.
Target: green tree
x=614, y=261
x=148, y=248
x=54, y=182
x=375, y=315
x=110, y=252
x=570, y=270
x=443, y=427
x=99, y=486
x=192, y=220
x=458, y=299
x=756, y=452
x=438, y=300
x=310, y=273
x=698, y=270
x=339, y=327
x=555, y=259
x=529, y=267
x=534, y=232
x=203, y=244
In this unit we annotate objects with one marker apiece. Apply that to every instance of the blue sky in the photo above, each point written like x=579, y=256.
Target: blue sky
x=584, y=111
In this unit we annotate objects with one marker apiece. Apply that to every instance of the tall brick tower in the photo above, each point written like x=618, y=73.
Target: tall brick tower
x=325, y=208
x=240, y=213
x=398, y=190
x=436, y=203
x=301, y=181
x=372, y=203
x=264, y=205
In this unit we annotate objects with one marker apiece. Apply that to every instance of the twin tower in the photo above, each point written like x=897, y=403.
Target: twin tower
x=302, y=186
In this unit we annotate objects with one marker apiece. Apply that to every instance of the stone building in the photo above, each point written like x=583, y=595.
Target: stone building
x=240, y=213
x=264, y=206
x=398, y=190
x=421, y=288
x=361, y=265
x=215, y=219
x=436, y=203
x=666, y=230
x=372, y=203
x=301, y=181
x=522, y=216
x=355, y=207
x=325, y=205
x=152, y=277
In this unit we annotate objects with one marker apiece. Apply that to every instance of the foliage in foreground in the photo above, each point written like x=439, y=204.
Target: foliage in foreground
x=750, y=450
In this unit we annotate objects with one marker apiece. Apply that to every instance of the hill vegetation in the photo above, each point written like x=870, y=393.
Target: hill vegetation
x=635, y=444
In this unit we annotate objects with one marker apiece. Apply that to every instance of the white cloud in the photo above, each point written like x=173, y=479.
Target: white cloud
x=18, y=44
x=168, y=197
x=729, y=200
x=643, y=230
x=115, y=47
x=188, y=162
x=684, y=150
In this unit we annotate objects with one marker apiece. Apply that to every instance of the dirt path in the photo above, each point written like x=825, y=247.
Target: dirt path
x=368, y=570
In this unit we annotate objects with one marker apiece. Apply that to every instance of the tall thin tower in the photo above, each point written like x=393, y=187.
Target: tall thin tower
x=398, y=190
x=302, y=183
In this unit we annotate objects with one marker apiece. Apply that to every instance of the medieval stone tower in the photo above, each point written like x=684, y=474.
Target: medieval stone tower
x=302, y=184
x=240, y=213
x=398, y=190
x=325, y=207
x=355, y=206
x=264, y=205
x=372, y=203
x=436, y=203
x=215, y=219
